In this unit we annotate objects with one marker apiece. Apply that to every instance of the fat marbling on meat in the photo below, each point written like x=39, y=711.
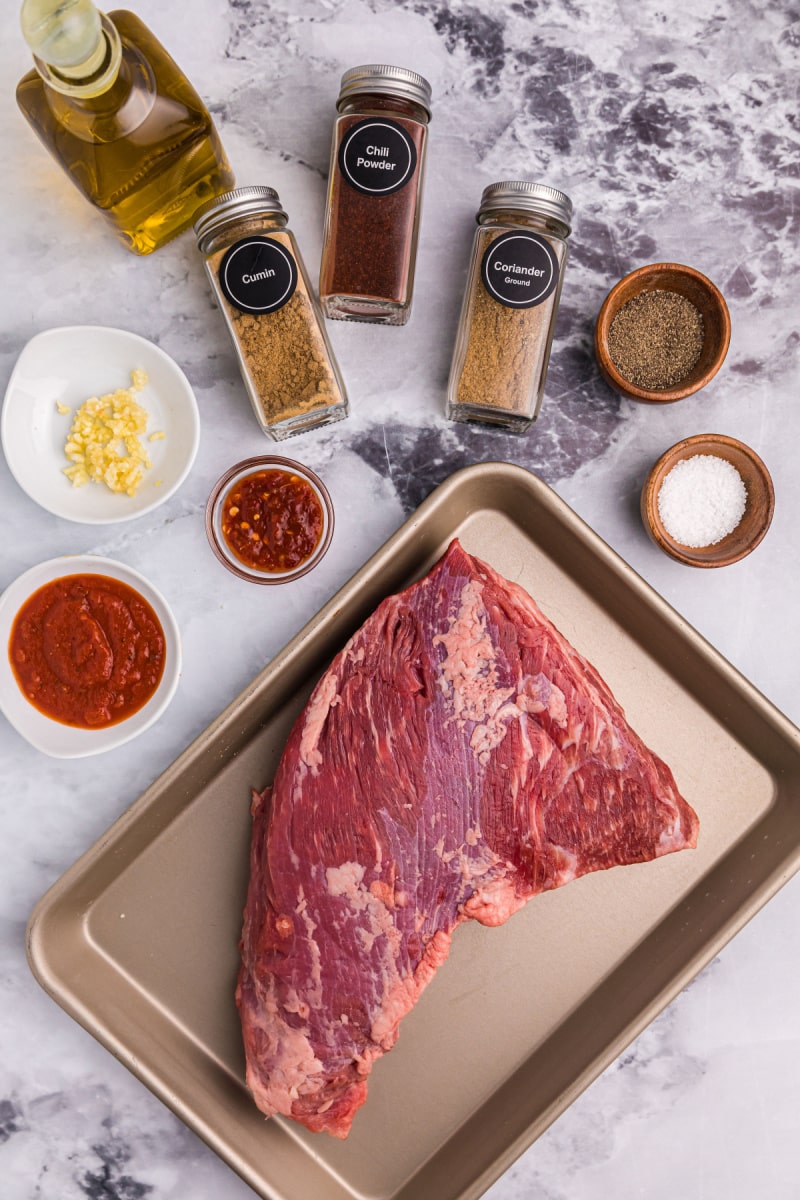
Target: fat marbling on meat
x=457, y=758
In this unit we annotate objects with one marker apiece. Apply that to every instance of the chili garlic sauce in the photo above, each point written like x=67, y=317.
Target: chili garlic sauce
x=272, y=521
x=87, y=650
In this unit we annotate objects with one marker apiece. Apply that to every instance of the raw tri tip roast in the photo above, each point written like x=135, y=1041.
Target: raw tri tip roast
x=457, y=758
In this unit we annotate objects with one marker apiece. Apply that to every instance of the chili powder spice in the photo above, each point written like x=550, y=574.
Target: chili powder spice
x=374, y=195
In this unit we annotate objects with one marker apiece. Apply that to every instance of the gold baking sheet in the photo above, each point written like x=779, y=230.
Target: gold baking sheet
x=138, y=941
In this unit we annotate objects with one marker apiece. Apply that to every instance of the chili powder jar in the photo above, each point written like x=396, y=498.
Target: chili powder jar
x=510, y=305
x=374, y=194
x=273, y=317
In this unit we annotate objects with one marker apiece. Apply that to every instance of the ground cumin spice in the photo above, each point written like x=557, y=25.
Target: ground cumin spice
x=656, y=339
x=274, y=320
x=374, y=193
x=508, y=317
x=284, y=352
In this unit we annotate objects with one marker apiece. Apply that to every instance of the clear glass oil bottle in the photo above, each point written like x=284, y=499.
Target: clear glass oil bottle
x=121, y=118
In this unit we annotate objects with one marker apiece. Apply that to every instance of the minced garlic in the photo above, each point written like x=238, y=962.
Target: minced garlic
x=103, y=443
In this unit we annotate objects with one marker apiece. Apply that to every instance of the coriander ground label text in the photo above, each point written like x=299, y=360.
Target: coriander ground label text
x=519, y=270
x=377, y=157
x=258, y=275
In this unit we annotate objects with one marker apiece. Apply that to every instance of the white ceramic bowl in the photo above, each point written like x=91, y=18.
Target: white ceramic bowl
x=68, y=365
x=67, y=741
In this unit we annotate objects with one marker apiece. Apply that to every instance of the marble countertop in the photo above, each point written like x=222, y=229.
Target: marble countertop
x=674, y=129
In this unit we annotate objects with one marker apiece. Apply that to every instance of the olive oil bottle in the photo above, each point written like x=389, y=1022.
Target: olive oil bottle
x=121, y=118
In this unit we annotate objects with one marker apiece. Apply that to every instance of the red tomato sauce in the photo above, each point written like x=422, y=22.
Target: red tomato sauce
x=272, y=520
x=87, y=650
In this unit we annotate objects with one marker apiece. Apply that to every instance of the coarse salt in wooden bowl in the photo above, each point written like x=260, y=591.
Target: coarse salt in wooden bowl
x=701, y=292
x=759, y=507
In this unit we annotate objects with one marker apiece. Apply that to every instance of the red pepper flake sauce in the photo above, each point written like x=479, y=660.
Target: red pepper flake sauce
x=272, y=521
x=87, y=650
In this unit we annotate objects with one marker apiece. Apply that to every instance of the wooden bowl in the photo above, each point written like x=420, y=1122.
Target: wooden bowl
x=667, y=277
x=757, y=514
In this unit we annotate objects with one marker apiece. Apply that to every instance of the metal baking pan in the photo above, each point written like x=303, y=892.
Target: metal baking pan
x=138, y=941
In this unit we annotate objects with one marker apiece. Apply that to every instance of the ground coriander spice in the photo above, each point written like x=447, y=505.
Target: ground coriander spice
x=272, y=315
x=510, y=304
x=656, y=339
x=374, y=193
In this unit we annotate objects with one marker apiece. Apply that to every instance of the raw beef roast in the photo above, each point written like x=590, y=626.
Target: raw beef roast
x=457, y=758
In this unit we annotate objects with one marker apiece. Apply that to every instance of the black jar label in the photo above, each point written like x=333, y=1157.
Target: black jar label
x=377, y=157
x=519, y=270
x=258, y=275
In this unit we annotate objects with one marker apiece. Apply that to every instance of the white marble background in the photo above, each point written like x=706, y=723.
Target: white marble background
x=675, y=129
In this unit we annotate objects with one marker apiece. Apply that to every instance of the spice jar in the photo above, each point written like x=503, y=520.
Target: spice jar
x=272, y=315
x=374, y=194
x=509, y=312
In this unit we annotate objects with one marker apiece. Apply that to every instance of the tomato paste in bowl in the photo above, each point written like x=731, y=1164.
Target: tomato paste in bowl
x=92, y=655
x=87, y=650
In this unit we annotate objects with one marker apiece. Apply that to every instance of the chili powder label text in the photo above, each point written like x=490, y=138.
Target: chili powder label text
x=377, y=157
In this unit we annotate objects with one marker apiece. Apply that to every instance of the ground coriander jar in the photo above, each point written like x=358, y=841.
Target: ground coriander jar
x=272, y=314
x=509, y=312
x=374, y=194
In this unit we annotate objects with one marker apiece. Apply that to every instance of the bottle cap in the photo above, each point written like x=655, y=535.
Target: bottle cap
x=232, y=206
x=389, y=81
x=527, y=197
x=76, y=48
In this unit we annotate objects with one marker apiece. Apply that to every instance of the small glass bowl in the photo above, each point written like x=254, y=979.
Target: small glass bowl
x=216, y=503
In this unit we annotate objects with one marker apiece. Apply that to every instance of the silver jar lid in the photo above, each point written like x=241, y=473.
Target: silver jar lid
x=232, y=206
x=391, y=81
x=527, y=197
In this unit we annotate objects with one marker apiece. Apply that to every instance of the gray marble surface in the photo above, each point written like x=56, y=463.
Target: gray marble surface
x=675, y=130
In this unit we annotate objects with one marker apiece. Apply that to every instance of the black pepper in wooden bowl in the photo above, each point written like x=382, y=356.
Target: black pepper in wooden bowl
x=671, y=332
x=656, y=338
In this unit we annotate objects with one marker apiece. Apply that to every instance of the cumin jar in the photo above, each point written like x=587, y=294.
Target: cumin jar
x=374, y=195
x=273, y=317
x=509, y=312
